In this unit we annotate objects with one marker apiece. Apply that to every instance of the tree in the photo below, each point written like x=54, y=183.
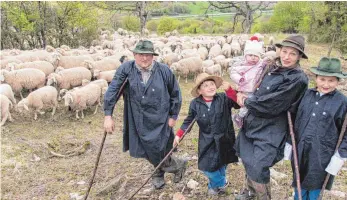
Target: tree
x=141, y=9
x=250, y=11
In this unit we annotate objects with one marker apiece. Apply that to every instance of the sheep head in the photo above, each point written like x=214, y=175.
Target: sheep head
x=23, y=104
x=88, y=64
x=85, y=82
x=96, y=73
x=68, y=99
x=51, y=79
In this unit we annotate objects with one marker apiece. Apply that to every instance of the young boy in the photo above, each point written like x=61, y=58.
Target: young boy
x=317, y=127
x=216, y=134
x=247, y=73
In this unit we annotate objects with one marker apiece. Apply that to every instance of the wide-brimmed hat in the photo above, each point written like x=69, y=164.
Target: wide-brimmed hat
x=145, y=47
x=295, y=41
x=329, y=67
x=204, y=77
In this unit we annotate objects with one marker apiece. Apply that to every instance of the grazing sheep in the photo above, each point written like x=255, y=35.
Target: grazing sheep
x=226, y=50
x=192, y=65
x=105, y=64
x=67, y=78
x=203, y=52
x=81, y=98
x=68, y=62
x=4, y=63
x=235, y=48
x=170, y=58
x=5, y=106
x=65, y=47
x=214, y=70
x=50, y=49
x=5, y=89
x=28, y=78
x=207, y=63
x=106, y=75
x=44, y=66
x=214, y=51
x=45, y=97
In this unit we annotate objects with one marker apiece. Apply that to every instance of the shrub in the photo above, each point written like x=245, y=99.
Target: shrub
x=131, y=23
x=167, y=24
x=152, y=25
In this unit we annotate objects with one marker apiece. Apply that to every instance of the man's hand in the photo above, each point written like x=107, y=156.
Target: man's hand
x=176, y=140
x=108, y=124
x=172, y=122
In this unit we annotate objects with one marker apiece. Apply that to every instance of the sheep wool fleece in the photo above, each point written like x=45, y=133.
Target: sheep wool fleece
x=147, y=109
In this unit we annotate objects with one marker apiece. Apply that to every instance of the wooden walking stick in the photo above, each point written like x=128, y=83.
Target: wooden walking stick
x=342, y=133
x=165, y=158
x=295, y=155
x=102, y=145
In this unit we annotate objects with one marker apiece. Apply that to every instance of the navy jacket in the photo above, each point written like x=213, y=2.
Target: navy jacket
x=261, y=140
x=216, y=131
x=147, y=109
x=317, y=129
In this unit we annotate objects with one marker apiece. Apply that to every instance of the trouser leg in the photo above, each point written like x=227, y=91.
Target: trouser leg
x=216, y=178
x=261, y=191
x=176, y=166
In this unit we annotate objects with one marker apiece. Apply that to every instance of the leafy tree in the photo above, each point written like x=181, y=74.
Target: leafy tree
x=131, y=23
x=249, y=11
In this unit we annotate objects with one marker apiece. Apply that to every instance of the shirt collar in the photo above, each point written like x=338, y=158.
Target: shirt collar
x=145, y=70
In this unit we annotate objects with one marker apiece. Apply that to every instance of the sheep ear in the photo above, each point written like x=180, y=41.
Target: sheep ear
x=26, y=107
x=71, y=99
x=2, y=78
x=54, y=79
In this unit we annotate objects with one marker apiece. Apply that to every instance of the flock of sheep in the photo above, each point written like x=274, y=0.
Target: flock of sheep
x=80, y=76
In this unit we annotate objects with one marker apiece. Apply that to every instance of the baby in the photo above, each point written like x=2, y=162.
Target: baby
x=247, y=73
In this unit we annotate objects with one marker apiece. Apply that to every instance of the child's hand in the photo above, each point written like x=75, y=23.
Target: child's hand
x=225, y=85
x=176, y=140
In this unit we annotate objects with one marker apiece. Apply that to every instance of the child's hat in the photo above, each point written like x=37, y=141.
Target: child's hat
x=254, y=38
x=329, y=67
x=254, y=48
x=202, y=78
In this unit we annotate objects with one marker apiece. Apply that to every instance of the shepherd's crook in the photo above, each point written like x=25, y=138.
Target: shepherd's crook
x=102, y=145
x=295, y=155
x=165, y=158
x=342, y=133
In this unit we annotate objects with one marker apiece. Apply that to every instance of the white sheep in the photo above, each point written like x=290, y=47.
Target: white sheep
x=50, y=49
x=207, y=63
x=44, y=66
x=67, y=78
x=214, y=70
x=5, y=106
x=226, y=50
x=69, y=61
x=105, y=64
x=28, y=78
x=170, y=58
x=192, y=65
x=5, y=89
x=81, y=98
x=203, y=52
x=106, y=75
x=5, y=62
x=42, y=98
x=214, y=51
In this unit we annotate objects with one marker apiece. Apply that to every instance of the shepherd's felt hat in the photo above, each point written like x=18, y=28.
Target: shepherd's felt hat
x=296, y=42
x=329, y=67
x=204, y=77
x=145, y=47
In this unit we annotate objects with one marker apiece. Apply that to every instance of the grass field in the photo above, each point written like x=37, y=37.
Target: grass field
x=30, y=171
